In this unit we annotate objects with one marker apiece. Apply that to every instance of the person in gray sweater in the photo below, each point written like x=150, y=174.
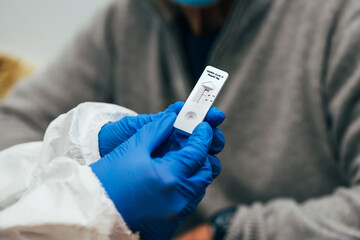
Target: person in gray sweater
x=291, y=164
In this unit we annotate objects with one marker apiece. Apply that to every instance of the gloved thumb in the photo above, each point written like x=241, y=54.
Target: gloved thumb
x=156, y=132
x=191, y=157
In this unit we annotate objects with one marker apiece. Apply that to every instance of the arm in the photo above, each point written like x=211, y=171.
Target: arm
x=50, y=185
x=62, y=197
x=336, y=215
x=82, y=73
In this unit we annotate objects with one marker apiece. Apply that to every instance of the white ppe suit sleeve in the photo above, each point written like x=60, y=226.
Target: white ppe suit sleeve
x=47, y=190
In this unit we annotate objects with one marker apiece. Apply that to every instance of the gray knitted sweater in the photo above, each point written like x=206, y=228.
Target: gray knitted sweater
x=292, y=105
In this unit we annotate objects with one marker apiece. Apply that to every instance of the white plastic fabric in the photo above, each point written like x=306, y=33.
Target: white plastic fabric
x=47, y=190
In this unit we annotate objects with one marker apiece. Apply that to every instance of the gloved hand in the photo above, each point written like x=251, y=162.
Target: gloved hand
x=115, y=133
x=154, y=194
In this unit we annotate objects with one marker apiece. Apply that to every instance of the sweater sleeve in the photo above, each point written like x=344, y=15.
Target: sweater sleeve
x=82, y=73
x=336, y=215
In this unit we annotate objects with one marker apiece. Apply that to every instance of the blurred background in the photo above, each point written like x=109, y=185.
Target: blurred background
x=35, y=31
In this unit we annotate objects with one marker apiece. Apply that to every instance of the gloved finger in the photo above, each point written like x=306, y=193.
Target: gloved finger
x=218, y=142
x=113, y=134
x=192, y=155
x=122, y=130
x=191, y=206
x=156, y=132
x=195, y=185
x=215, y=165
x=173, y=108
x=131, y=124
x=136, y=122
x=173, y=143
x=176, y=107
x=215, y=117
x=203, y=177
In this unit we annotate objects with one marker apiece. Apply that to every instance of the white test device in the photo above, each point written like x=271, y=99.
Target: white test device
x=200, y=100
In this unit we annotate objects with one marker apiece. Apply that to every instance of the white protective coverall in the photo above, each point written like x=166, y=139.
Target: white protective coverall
x=47, y=190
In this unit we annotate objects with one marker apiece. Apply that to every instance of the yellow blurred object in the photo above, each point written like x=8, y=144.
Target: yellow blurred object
x=11, y=70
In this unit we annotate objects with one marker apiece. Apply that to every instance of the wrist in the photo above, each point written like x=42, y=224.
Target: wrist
x=220, y=223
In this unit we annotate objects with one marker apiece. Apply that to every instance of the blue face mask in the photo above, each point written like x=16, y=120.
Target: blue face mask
x=196, y=3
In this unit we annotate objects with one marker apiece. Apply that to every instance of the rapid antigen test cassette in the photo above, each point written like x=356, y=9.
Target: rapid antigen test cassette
x=201, y=99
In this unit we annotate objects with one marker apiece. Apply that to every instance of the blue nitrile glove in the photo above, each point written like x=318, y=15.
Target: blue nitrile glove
x=214, y=117
x=115, y=133
x=153, y=194
x=177, y=140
